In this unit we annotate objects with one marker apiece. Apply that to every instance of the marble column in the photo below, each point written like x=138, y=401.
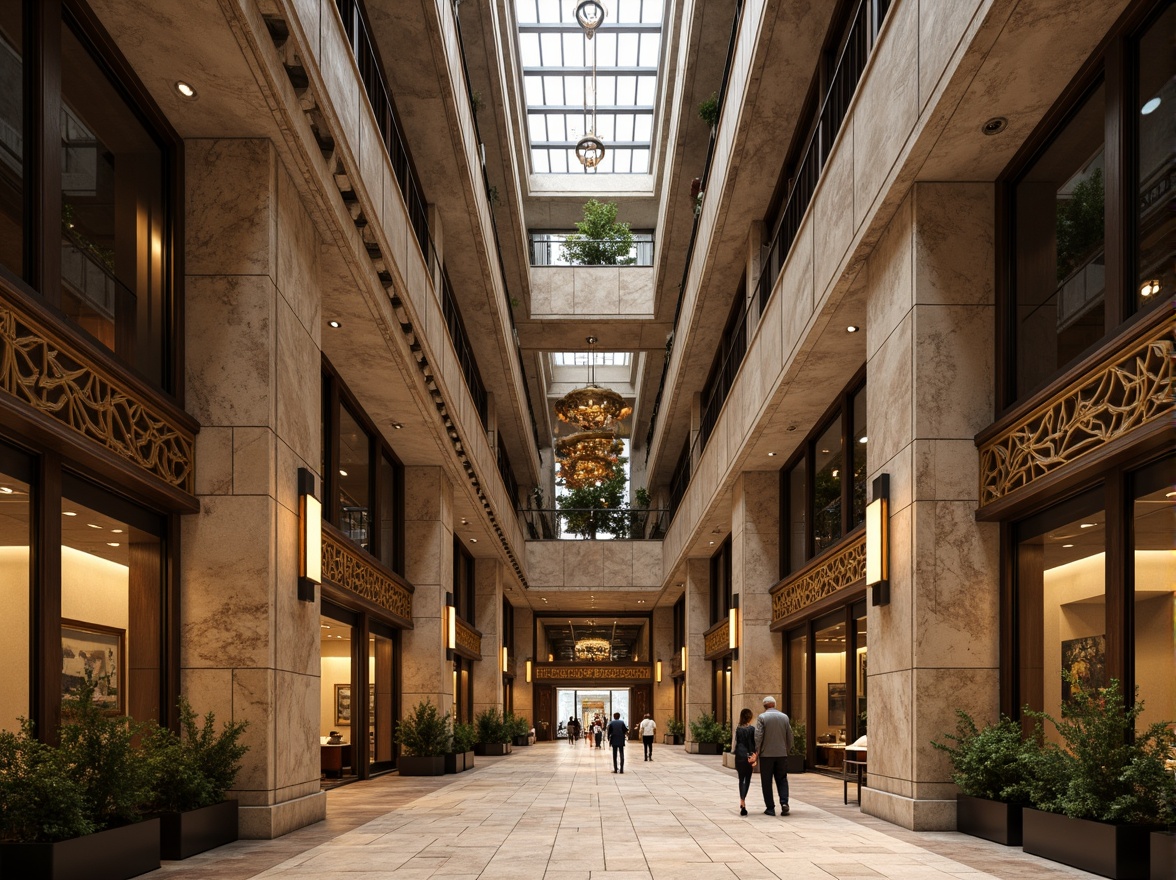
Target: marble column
x=524, y=692
x=428, y=543
x=249, y=647
x=699, y=695
x=934, y=648
x=663, y=650
x=755, y=569
x=488, y=575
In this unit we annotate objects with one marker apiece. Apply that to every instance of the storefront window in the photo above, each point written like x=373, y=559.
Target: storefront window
x=1153, y=527
x=829, y=720
x=1155, y=74
x=858, y=453
x=827, y=467
x=354, y=479
x=15, y=585
x=1061, y=576
x=12, y=171
x=113, y=277
x=798, y=676
x=111, y=600
x=337, y=701
x=381, y=751
x=861, y=670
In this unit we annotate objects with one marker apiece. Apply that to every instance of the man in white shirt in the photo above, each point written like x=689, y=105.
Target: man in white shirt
x=647, y=728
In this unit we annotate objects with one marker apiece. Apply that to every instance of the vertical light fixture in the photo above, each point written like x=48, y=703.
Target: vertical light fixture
x=505, y=659
x=528, y=670
x=733, y=623
x=683, y=658
x=450, y=625
x=657, y=671
x=310, y=536
x=878, y=542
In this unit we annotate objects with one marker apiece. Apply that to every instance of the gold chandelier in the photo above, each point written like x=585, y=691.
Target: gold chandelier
x=589, y=444
x=593, y=649
x=592, y=408
x=580, y=473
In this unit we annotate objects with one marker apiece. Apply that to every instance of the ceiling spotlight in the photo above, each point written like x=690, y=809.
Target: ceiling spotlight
x=1149, y=288
x=712, y=542
x=112, y=543
x=771, y=455
x=117, y=531
x=342, y=472
x=68, y=513
x=93, y=526
x=4, y=490
x=852, y=328
x=186, y=91
x=1170, y=495
x=334, y=324
x=1087, y=525
x=473, y=540
x=862, y=440
x=1067, y=546
x=1150, y=107
x=397, y=426
x=995, y=125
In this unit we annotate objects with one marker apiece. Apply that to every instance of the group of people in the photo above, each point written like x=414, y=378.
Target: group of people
x=618, y=734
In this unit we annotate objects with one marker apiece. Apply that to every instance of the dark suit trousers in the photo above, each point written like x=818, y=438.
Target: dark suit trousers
x=619, y=750
x=774, y=768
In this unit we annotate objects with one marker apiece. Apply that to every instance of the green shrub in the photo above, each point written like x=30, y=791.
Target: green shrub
x=41, y=801
x=992, y=762
x=491, y=727
x=517, y=725
x=464, y=737
x=196, y=768
x=599, y=240
x=708, y=110
x=675, y=727
x=706, y=729
x=799, y=743
x=424, y=732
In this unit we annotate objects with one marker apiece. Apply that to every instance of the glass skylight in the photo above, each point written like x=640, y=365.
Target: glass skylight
x=599, y=358
x=557, y=74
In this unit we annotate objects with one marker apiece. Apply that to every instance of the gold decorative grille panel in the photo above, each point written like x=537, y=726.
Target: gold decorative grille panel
x=843, y=569
x=468, y=638
x=717, y=638
x=593, y=673
x=345, y=566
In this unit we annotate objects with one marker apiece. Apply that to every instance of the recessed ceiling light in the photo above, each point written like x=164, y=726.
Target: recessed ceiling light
x=825, y=451
x=852, y=328
x=862, y=440
x=473, y=540
x=342, y=472
x=187, y=92
x=91, y=525
x=712, y=542
x=1150, y=107
x=334, y=324
x=1149, y=288
x=4, y=490
x=1067, y=546
x=397, y=426
x=771, y=455
x=324, y=626
x=1087, y=525
x=117, y=531
x=1170, y=495
x=112, y=543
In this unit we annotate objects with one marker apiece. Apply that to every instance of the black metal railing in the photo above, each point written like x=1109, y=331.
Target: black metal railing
x=680, y=479
x=570, y=524
x=461, y=345
x=735, y=344
x=506, y=471
x=547, y=250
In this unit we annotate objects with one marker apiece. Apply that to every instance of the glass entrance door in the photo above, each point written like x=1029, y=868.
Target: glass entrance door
x=585, y=705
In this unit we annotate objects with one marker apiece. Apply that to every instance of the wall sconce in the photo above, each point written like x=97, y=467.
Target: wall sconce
x=683, y=658
x=733, y=623
x=528, y=670
x=657, y=671
x=505, y=659
x=878, y=542
x=310, y=537
x=450, y=626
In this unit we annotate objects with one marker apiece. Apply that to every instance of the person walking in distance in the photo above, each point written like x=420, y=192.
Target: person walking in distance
x=745, y=757
x=573, y=724
x=773, y=742
x=648, y=727
x=618, y=731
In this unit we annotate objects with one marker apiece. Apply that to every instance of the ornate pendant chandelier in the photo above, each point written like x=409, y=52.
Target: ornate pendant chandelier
x=580, y=473
x=590, y=149
x=593, y=649
x=590, y=444
x=592, y=408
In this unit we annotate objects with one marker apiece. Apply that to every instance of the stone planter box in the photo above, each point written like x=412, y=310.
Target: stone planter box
x=459, y=762
x=697, y=748
x=113, y=854
x=991, y=820
x=671, y=739
x=521, y=741
x=1163, y=855
x=1117, y=851
x=491, y=749
x=195, y=831
x=416, y=765
x=729, y=760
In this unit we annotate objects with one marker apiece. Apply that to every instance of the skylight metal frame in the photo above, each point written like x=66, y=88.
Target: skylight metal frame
x=556, y=68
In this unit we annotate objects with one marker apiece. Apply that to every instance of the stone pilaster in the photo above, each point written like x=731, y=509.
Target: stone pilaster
x=934, y=648
x=698, y=681
x=663, y=650
x=755, y=569
x=488, y=577
x=249, y=647
x=524, y=692
x=428, y=545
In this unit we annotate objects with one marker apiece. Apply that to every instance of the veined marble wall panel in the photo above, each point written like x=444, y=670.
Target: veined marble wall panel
x=428, y=543
x=580, y=291
x=663, y=650
x=698, y=679
x=603, y=563
x=488, y=578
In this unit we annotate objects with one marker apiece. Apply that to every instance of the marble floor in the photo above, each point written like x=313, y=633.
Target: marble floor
x=558, y=812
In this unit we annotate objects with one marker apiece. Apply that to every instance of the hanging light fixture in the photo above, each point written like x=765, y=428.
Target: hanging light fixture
x=580, y=473
x=590, y=149
x=592, y=408
x=589, y=444
x=593, y=649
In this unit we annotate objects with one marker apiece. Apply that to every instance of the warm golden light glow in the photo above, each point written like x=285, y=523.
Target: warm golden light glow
x=877, y=541
x=592, y=408
x=657, y=671
x=579, y=473
x=505, y=659
x=733, y=628
x=593, y=649
x=310, y=536
x=528, y=672
x=450, y=627
x=590, y=444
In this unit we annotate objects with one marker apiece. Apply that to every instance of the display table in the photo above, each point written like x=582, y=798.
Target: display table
x=831, y=755
x=334, y=757
x=854, y=770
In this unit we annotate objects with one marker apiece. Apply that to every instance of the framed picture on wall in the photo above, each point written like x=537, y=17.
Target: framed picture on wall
x=1085, y=661
x=861, y=681
x=836, y=704
x=95, y=652
x=342, y=705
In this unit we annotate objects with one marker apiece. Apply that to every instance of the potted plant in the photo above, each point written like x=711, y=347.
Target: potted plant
x=493, y=738
x=73, y=811
x=191, y=773
x=989, y=766
x=600, y=239
x=675, y=732
x=1096, y=802
x=708, y=111
x=706, y=734
x=461, y=756
x=520, y=730
x=796, y=754
x=424, y=736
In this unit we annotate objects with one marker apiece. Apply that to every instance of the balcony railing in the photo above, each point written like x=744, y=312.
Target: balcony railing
x=547, y=250
x=461, y=345
x=507, y=472
x=637, y=524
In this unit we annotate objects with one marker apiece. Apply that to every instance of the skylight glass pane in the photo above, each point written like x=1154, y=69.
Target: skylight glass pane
x=600, y=358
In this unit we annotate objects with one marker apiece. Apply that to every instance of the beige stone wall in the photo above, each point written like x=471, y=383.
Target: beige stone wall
x=934, y=648
x=755, y=569
x=249, y=647
x=488, y=575
x=699, y=693
x=663, y=649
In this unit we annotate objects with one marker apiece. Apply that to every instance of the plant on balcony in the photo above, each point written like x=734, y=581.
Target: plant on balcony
x=708, y=110
x=599, y=240
x=599, y=508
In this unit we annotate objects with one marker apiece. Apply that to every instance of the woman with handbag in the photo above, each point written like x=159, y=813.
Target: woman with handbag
x=745, y=756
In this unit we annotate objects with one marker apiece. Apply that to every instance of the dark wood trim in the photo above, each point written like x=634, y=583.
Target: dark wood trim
x=43, y=55
x=170, y=680
x=1116, y=562
x=46, y=571
x=1009, y=640
x=1115, y=152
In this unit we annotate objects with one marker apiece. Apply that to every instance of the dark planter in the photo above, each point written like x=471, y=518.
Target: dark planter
x=992, y=820
x=113, y=854
x=454, y=762
x=1163, y=855
x=1117, y=851
x=796, y=763
x=521, y=741
x=415, y=765
x=491, y=750
x=710, y=748
x=196, y=831
x=467, y=760
x=672, y=739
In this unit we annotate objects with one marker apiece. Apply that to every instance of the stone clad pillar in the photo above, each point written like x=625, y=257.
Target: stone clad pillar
x=698, y=681
x=755, y=569
x=488, y=608
x=428, y=551
x=663, y=650
x=934, y=648
x=249, y=648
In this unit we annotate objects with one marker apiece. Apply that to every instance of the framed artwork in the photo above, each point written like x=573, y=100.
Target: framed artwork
x=836, y=704
x=1085, y=660
x=343, y=704
x=90, y=650
x=861, y=680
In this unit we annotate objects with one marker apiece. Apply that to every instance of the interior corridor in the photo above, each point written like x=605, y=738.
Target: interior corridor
x=557, y=812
